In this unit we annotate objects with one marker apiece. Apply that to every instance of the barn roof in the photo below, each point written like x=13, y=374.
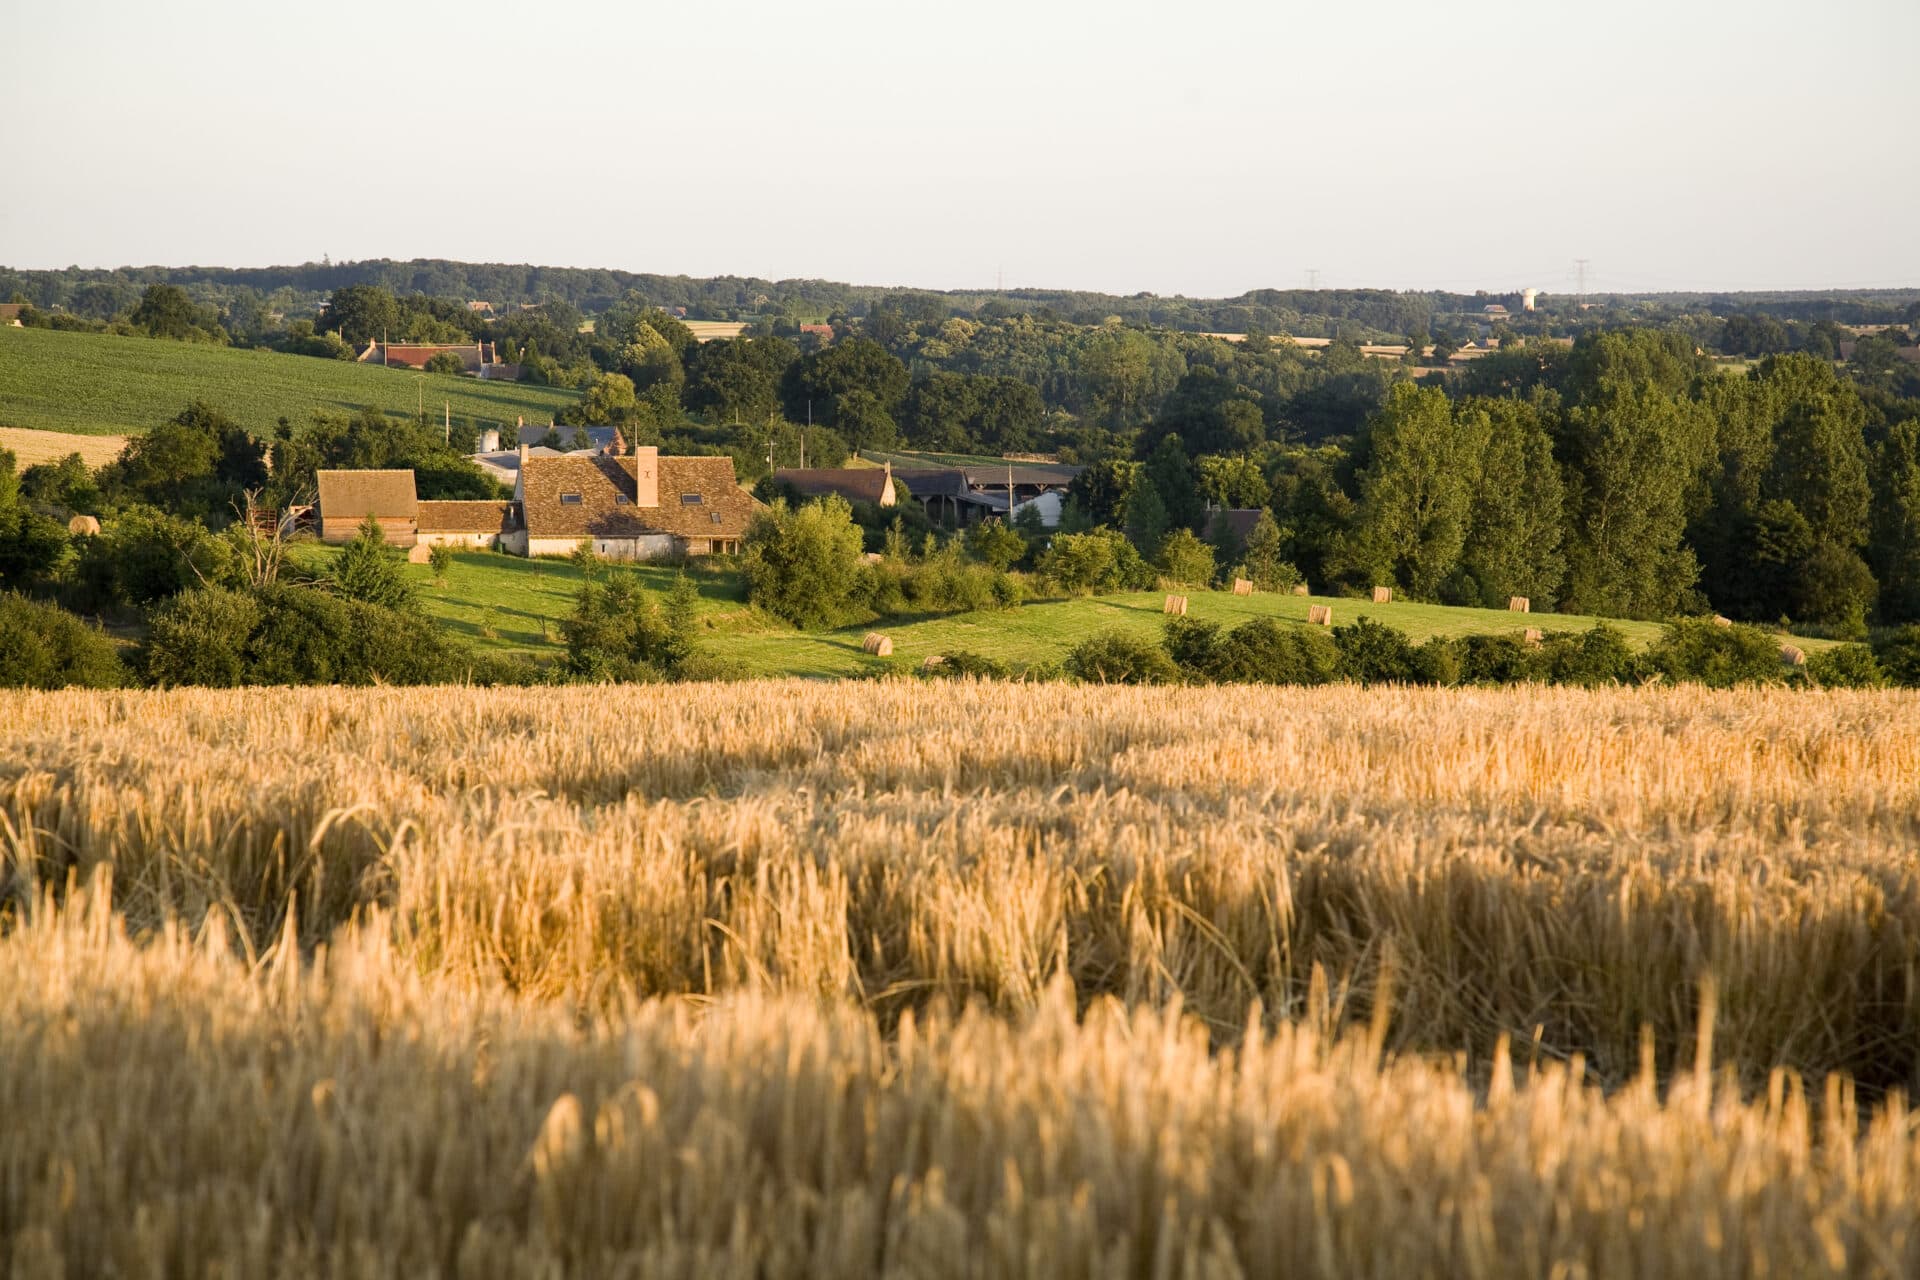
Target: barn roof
x=349, y=495
x=466, y=517
x=855, y=484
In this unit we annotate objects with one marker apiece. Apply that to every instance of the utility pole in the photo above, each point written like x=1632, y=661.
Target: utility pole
x=1313, y=277
x=1580, y=272
x=803, y=436
x=446, y=420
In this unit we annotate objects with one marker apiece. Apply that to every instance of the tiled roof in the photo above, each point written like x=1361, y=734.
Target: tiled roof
x=348, y=495
x=939, y=482
x=1239, y=519
x=466, y=517
x=1028, y=473
x=414, y=355
x=602, y=482
x=855, y=484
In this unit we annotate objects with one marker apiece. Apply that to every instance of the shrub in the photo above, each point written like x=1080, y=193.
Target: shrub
x=200, y=637
x=1193, y=645
x=960, y=663
x=1100, y=560
x=280, y=633
x=45, y=647
x=1185, y=559
x=445, y=362
x=1266, y=651
x=440, y=559
x=1374, y=653
x=803, y=564
x=993, y=543
x=369, y=571
x=618, y=633
x=1589, y=658
x=144, y=556
x=1698, y=651
x=1846, y=666
x=1898, y=653
x=1437, y=662
x=1499, y=659
x=1116, y=657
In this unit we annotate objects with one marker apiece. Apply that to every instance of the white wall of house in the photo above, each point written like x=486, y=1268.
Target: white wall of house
x=482, y=541
x=645, y=547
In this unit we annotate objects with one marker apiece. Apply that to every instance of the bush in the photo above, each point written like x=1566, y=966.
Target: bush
x=1186, y=560
x=1374, y=653
x=445, y=362
x=959, y=663
x=1499, y=659
x=144, y=556
x=1098, y=561
x=803, y=564
x=1846, y=666
x=45, y=647
x=285, y=634
x=1699, y=651
x=1115, y=657
x=1599, y=656
x=1898, y=653
x=1265, y=651
x=200, y=637
x=618, y=633
x=370, y=572
x=1437, y=662
x=993, y=543
x=440, y=559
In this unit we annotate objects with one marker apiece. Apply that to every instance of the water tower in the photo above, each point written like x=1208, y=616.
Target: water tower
x=1526, y=298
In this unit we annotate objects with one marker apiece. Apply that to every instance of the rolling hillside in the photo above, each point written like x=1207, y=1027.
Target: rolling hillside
x=510, y=604
x=98, y=384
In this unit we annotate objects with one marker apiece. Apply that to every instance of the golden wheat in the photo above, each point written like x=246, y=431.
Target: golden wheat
x=398, y=981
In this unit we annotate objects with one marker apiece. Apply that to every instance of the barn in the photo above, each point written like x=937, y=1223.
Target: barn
x=348, y=498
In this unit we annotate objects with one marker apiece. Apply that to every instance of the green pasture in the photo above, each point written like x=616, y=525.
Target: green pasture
x=102, y=384
x=514, y=605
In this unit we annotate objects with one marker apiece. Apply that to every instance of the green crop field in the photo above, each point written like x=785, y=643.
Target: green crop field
x=511, y=604
x=99, y=384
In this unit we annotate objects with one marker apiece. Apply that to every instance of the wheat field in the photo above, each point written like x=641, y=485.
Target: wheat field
x=965, y=979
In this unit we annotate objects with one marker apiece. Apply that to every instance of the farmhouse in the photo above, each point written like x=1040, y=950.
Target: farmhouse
x=638, y=507
x=349, y=498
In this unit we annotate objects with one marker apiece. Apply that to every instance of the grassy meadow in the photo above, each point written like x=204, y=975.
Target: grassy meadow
x=515, y=605
x=101, y=384
x=788, y=979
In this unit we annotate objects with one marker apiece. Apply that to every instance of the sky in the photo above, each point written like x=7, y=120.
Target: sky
x=1201, y=148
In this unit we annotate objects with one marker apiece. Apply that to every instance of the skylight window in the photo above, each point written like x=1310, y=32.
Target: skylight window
x=621, y=499
x=716, y=517
x=570, y=499
x=691, y=499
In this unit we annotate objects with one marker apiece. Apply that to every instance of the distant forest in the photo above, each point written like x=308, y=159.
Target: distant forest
x=1359, y=315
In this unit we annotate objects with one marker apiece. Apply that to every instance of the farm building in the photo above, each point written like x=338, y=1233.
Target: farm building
x=465, y=524
x=348, y=498
x=473, y=356
x=638, y=507
x=855, y=484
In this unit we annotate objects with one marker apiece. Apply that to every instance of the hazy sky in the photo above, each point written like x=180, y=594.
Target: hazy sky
x=1180, y=148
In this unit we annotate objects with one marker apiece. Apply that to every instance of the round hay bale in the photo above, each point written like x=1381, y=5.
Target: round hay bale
x=87, y=525
x=420, y=553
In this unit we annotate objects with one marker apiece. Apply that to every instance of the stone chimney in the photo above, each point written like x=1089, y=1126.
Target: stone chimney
x=646, y=475
x=523, y=455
